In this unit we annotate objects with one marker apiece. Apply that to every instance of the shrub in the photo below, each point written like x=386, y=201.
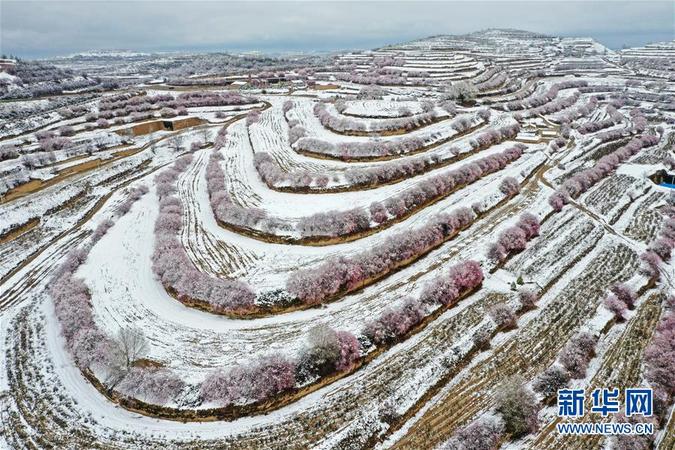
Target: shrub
x=552, y=379
x=625, y=294
x=509, y=186
x=394, y=323
x=481, y=338
x=322, y=353
x=514, y=238
x=350, y=351
x=503, y=316
x=578, y=352
x=482, y=434
x=528, y=298
x=154, y=385
x=517, y=406
x=616, y=307
x=651, y=264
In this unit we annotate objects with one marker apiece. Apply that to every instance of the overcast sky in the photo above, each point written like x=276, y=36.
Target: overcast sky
x=51, y=27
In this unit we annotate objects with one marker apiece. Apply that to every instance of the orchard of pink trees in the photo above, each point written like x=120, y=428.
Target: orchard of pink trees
x=396, y=322
x=344, y=223
x=172, y=265
x=91, y=348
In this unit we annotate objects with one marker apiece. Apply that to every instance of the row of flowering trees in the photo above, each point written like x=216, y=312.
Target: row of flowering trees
x=112, y=357
x=638, y=125
x=573, y=114
x=491, y=83
x=446, y=290
x=278, y=178
x=378, y=148
x=425, y=106
x=535, y=101
x=344, y=124
x=328, y=351
x=356, y=150
x=343, y=223
x=228, y=212
x=140, y=107
x=400, y=147
x=615, y=118
x=344, y=274
x=583, y=180
x=551, y=107
x=407, y=201
x=172, y=265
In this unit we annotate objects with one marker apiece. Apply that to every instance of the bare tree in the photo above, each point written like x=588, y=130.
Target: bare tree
x=132, y=345
x=205, y=133
x=126, y=348
x=175, y=142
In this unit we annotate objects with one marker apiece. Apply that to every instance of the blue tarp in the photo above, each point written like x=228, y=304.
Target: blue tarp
x=668, y=185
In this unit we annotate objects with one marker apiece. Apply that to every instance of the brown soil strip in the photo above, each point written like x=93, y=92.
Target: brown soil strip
x=18, y=230
x=36, y=185
x=326, y=87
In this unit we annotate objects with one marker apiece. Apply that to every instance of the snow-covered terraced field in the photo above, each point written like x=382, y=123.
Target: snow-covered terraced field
x=187, y=265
